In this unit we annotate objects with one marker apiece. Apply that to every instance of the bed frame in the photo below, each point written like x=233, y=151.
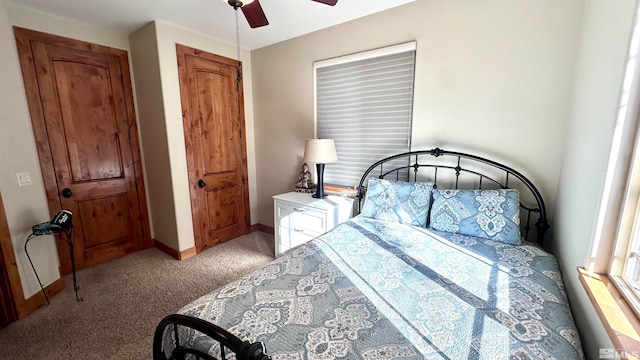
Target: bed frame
x=229, y=343
x=458, y=169
x=446, y=169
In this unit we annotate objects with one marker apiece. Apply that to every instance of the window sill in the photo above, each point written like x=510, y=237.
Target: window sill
x=341, y=190
x=621, y=323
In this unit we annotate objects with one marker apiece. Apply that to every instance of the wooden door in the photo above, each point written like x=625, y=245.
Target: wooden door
x=213, y=118
x=81, y=107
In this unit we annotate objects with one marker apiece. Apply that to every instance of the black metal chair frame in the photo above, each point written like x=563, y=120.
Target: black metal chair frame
x=417, y=160
x=244, y=350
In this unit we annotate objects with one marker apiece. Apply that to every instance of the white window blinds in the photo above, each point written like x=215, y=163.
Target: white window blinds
x=365, y=102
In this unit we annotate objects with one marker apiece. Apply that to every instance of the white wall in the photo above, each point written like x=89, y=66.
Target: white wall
x=27, y=206
x=493, y=77
x=153, y=131
x=599, y=72
x=24, y=206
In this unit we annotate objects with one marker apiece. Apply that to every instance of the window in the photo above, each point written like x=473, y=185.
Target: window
x=364, y=102
x=614, y=262
x=616, y=251
x=625, y=265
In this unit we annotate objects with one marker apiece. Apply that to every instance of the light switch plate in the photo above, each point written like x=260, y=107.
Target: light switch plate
x=24, y=179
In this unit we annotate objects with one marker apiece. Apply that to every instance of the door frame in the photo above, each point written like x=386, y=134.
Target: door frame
x=10, y=284
x=23, y=39
x=182, y=51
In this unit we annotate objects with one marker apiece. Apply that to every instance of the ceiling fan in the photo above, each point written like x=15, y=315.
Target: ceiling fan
x=254, y=13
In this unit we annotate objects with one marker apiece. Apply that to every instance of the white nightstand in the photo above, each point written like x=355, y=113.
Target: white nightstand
x=299, y=217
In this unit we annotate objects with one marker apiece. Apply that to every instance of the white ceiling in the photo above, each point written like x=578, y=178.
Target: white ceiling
x=214, y=18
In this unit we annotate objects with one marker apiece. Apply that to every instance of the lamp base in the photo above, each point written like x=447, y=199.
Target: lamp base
x=320, y=188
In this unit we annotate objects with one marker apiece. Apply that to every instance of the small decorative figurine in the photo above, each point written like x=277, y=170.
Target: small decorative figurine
x=304, y=183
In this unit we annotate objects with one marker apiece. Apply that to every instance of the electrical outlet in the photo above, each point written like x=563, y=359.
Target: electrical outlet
x=24, y=179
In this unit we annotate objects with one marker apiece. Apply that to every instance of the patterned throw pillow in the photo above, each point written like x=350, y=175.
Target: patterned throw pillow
x=489, y=214
x=405, y=202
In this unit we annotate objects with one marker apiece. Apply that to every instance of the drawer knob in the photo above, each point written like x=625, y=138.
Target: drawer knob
x=298, y=209
x=298, y=230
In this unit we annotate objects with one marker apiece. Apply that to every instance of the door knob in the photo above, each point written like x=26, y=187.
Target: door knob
x=66, y=193
x=201, y=183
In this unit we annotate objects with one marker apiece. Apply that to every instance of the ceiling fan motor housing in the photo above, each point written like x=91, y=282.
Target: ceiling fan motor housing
x=235, y=3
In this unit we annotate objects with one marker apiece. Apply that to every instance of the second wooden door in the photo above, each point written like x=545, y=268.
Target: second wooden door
x=213, y=118
x=81, y=107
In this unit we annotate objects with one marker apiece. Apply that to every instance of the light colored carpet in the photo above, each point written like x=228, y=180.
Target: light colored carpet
x=124, y=300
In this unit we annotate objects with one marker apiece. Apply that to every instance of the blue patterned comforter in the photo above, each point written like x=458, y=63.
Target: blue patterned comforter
x=373, y=289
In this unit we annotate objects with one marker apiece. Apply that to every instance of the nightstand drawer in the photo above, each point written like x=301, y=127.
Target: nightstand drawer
x=294, y=236
x=304, y=217
x=299, y=217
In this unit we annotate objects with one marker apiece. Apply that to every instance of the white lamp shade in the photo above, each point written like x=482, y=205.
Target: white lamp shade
x=320, y=151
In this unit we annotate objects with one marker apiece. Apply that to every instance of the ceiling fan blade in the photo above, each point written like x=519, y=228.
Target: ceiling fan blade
x=254, y=14
x=328, y=2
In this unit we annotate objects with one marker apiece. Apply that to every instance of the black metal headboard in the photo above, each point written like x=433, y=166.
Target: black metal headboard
x=459, y=170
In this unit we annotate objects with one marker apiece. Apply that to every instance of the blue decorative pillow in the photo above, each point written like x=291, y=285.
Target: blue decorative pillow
x=405, y=202
x=489, y=214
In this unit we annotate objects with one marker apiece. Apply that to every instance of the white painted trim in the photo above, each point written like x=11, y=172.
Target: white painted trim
x=388, y=50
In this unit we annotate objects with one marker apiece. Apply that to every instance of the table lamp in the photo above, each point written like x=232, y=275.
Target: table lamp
x=320, y=152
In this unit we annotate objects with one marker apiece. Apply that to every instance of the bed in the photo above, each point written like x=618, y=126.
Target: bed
x=443, y=261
